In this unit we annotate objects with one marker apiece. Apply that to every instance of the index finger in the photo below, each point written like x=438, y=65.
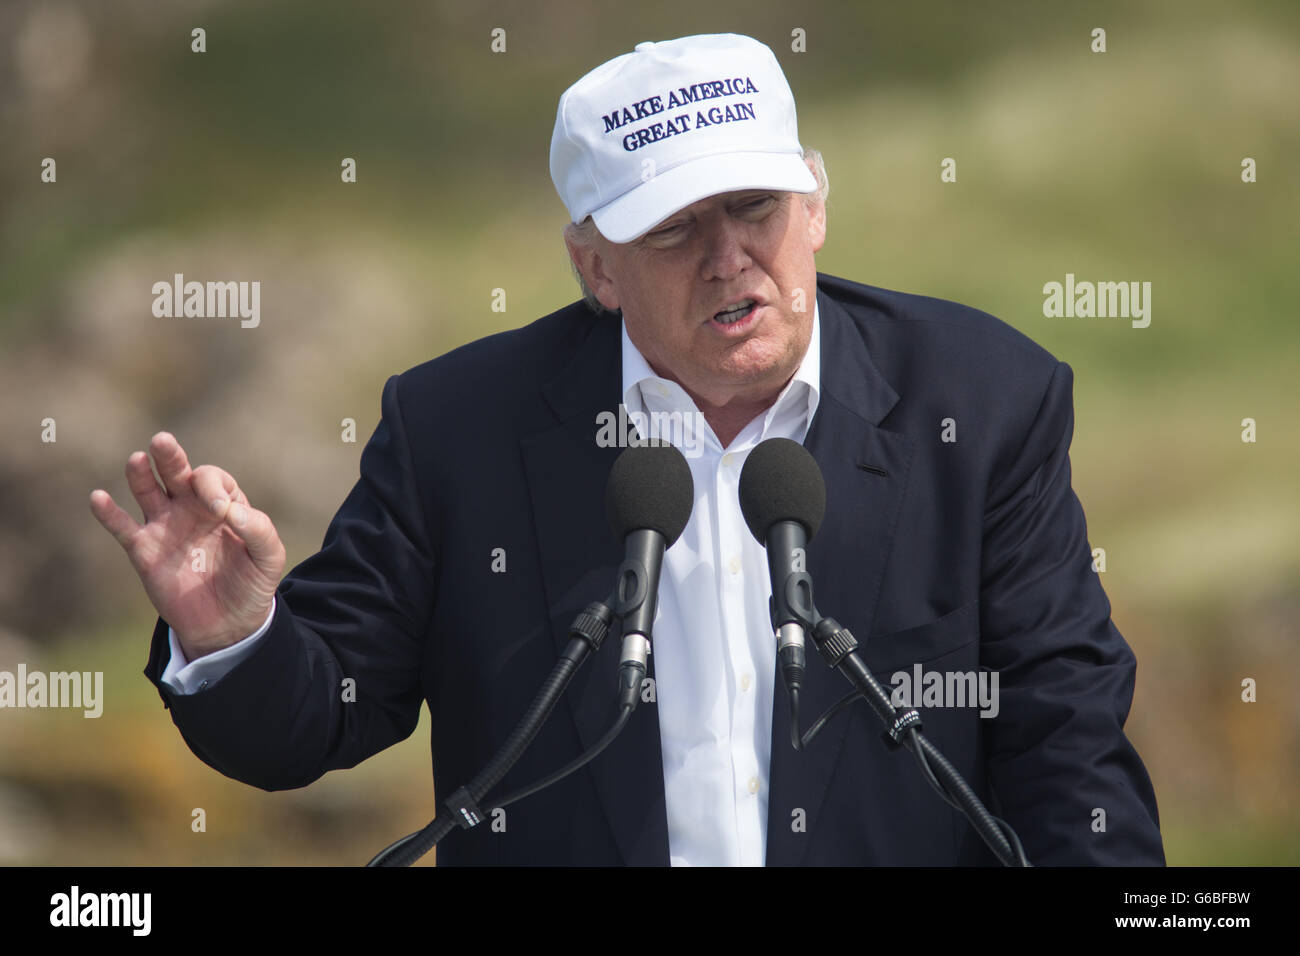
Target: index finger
x=115, y=521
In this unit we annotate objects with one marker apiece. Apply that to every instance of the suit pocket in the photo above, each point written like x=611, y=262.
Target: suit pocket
x=925, y=642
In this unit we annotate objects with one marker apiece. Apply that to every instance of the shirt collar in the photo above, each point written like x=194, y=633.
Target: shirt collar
x=644, y=389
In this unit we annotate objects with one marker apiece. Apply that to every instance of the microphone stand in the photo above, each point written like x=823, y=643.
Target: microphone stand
x=632, y=593
x=586, y=634
x=838, y=647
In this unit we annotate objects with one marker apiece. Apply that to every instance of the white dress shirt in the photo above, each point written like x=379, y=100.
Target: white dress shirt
x=714, y=654
x=713, y=648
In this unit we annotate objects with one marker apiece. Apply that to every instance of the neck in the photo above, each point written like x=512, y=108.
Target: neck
x=727, y=419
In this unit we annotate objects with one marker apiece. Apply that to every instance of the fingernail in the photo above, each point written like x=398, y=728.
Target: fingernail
x=237, y=515
x=215, y=504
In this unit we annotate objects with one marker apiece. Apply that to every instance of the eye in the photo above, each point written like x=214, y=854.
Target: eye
x=757, y=206
x=667, y=234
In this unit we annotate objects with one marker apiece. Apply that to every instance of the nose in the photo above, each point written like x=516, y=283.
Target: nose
x=725, y=256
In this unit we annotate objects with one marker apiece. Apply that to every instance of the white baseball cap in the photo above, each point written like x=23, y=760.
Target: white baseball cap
x=650, y=132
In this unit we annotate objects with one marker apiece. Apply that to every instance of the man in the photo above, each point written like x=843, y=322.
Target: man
x=474, y=535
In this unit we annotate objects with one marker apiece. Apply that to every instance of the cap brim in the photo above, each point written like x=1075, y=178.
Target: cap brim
x=639, y=209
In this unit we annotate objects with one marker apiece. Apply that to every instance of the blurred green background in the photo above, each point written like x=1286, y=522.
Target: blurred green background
x=1123, y=165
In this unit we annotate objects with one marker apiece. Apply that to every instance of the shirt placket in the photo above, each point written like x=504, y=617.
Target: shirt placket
x=746, y=778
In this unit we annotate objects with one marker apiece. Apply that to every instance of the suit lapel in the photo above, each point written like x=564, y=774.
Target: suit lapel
x=866, y=471
x=567, y=472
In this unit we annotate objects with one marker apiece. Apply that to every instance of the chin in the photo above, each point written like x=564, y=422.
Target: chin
x=749, y=373
x=754, y=360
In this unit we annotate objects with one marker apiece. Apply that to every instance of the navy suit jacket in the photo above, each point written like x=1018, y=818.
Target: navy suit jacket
x=959, y=555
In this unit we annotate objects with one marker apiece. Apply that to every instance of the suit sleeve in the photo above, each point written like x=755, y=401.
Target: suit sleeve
x=1057, y=752
x=336, y=677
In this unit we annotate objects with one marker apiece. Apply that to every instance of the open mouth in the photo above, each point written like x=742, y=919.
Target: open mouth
x=734, y=314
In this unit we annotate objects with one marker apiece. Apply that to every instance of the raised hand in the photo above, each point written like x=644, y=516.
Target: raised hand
x=209, y=562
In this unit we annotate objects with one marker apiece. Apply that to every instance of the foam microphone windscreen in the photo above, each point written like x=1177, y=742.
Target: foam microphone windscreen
x=781, y=481
x=650, y=486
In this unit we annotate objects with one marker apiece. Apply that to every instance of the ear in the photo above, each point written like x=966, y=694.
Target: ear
x=816, y=218
x=590, y=263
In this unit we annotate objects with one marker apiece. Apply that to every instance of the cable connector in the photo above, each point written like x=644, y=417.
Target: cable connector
x=632, y=669
x=834, y=642
x=592, y=624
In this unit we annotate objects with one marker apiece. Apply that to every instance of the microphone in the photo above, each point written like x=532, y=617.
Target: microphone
x=649, y=498
x=783, y=500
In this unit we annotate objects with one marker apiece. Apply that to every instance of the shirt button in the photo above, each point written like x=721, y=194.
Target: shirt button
x=744, y=682
x=729, y=459
x=734, y=564
x=753, y=785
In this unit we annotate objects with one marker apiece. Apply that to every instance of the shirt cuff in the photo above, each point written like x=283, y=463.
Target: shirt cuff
x=186, y=677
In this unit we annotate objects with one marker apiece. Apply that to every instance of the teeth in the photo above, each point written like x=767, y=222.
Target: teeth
x=736, y=312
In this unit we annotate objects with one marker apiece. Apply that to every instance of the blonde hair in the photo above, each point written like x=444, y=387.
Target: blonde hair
x=584, y=233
